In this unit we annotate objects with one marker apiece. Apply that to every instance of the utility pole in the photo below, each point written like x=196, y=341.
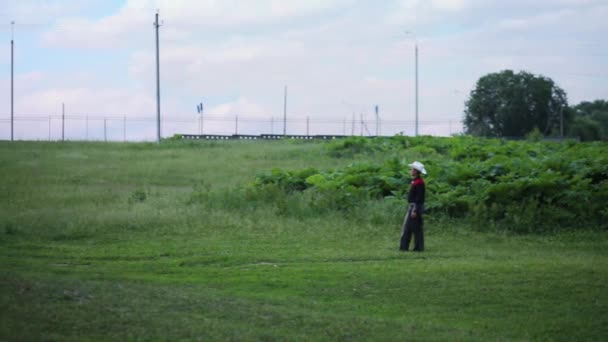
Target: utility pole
x=272, y=125
x=416, y=53
x=86, y=121
x=561, y=123
x=307, y=126
x=49, y=128
x=285, y=112
x=156, y=26
x=12, y=80
x=361, y=117
x=344, y=128
x=124, y=128
x=105, y=131
x=236, y=125
x=416, y=73
x=377, y=122
x=352, y=131
x=62, y=122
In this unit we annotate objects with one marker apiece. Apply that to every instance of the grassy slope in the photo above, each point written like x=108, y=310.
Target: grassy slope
x=83, y=258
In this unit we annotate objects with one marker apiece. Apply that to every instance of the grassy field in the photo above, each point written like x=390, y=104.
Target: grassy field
x=139, y=241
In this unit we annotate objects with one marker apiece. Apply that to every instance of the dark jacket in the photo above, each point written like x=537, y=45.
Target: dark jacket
x=416, y=195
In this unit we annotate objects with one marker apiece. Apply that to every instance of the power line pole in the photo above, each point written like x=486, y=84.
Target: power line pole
x=63, y=122
x=307, y=126
x=285, y=112
x=12, y=79
x=377, y=122
x=156, y=26
x=361, y=117
x=416, y=53
x=561, y=123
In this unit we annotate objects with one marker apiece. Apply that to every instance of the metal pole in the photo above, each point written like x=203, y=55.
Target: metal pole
x=236, y=125
x=272, y=125
x=361, y=117
x=156, y=26
x=12, y=80
x=352, y=131
x=416, y=53
x=450, y=127
x=377, y=122
x=285, y=112
x=344, y=128
x=307, y=126
x=49, y=128
x=105, y=134
x=62, y=122
x=124, y=129
x=561, y=122
x=86, y=119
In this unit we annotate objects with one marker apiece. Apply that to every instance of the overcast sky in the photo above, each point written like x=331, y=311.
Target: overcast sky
x=336, y=56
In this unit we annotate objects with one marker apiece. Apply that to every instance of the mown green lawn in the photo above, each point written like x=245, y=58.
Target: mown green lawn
x=103, y=242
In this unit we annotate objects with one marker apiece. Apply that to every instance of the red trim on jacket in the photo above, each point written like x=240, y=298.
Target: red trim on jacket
x=417, y=181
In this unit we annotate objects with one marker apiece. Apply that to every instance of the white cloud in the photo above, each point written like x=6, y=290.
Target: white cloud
x=182, y=19
x=449, y=5
x=243, y=106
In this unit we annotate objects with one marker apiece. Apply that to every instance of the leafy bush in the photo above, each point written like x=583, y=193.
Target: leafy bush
x=520, y=186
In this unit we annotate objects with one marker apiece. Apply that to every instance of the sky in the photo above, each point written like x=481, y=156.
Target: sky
x=338, y=58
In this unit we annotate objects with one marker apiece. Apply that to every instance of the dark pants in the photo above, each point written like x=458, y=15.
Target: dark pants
x=413, y=226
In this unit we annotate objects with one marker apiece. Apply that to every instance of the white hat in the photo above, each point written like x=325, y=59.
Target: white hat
x=418, y=166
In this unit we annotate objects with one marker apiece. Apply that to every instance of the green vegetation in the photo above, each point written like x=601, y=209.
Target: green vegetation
x=509, y=104
x=519, y=186
x=175, y=241
x=590, y=120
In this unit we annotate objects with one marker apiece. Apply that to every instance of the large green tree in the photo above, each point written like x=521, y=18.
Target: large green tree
x=508, y=104
x=590, y=121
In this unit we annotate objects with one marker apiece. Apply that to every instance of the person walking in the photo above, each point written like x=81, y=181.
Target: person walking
x=413, y=220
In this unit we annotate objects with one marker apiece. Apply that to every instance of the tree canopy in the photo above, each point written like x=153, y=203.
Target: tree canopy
x=508, y=104
x=590, y=121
